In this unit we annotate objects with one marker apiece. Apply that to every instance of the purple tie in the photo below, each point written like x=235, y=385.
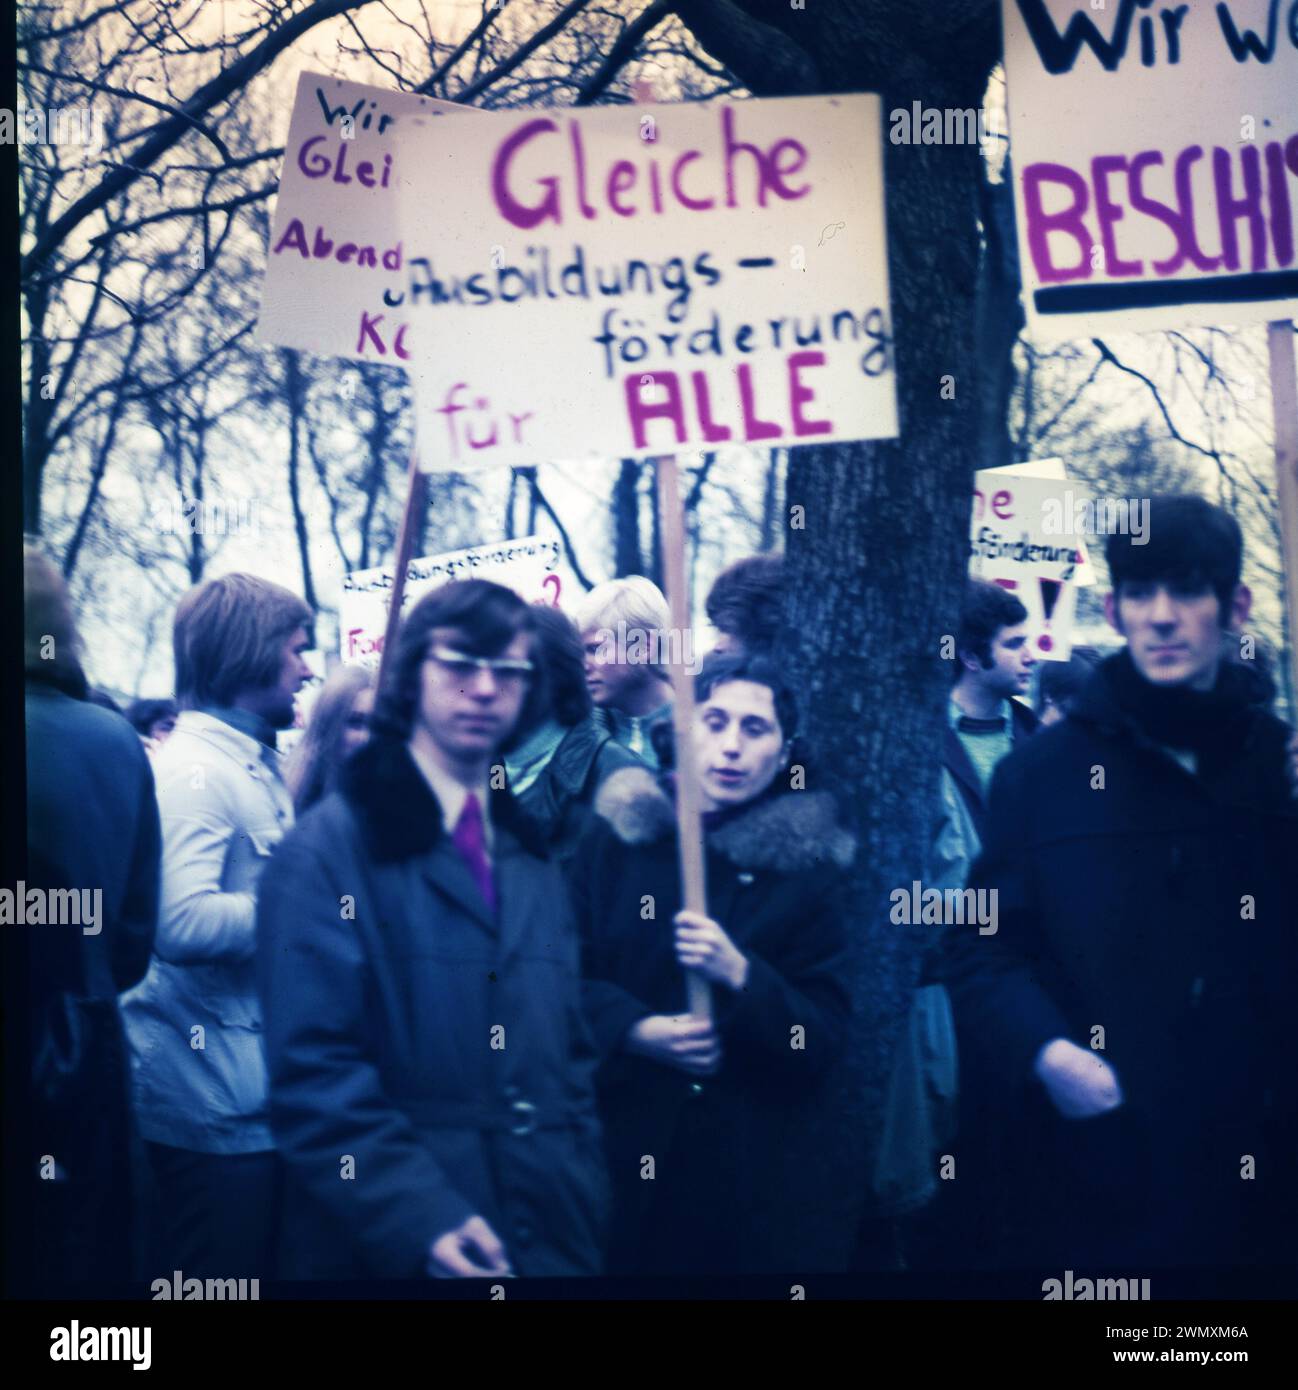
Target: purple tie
x=471, y=840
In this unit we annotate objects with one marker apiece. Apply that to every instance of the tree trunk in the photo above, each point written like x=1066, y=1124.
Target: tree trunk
x=876, y=562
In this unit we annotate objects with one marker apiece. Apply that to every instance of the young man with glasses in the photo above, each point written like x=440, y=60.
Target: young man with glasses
x=430, y=1070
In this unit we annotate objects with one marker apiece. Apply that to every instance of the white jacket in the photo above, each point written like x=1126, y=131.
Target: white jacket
x=194, y=1022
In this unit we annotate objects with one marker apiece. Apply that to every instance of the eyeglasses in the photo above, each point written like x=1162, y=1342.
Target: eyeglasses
x=505, y=670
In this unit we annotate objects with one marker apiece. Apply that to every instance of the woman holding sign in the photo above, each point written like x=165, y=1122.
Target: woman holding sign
x=696, y=1111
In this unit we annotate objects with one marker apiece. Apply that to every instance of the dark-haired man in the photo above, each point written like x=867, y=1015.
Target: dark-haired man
x=994, y=664
x=744, y=605
x=430, y=1070
x=985, y=722
x=1136, y=999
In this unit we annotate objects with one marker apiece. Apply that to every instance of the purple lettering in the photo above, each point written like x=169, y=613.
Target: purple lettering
x=778, y=175
x=520, y=214
x=1281, y=210
x=369, y=329
x=713, y=433
x=1185, y=202
x=1230, y=208
x=1107, y=212
x=800, y=395
x=694, y=204
x=314, y=166
x=640, y=412
x=1068, y=220
x=579, y=155
x=295, y=237
x=621, y=177
x=754, y=426
x=734, y=147
x=1152, y=208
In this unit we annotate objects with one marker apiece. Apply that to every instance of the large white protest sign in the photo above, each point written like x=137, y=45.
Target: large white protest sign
x=335, y=257
x=1155, y=162
x=526, y=566
x=633, y=280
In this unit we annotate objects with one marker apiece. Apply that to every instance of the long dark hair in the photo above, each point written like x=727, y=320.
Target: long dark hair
x=488, y=616
x=313, y=765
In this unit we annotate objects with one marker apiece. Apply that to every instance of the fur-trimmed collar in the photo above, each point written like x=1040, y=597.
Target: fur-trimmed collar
x=399, y=815
x=786, y=832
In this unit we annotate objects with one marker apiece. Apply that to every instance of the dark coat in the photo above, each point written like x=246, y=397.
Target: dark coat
x=1160, y=908
x=560, y=799
x=92, y=824
x=1023, y=723
x=440, y=1049
x=721, y=1198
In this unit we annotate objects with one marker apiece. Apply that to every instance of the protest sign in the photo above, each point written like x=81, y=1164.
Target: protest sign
x=1029, y=520
x=1155, y=162
x=628, y=281
x=1051, y=606
x=526, y=566
x=334, y=251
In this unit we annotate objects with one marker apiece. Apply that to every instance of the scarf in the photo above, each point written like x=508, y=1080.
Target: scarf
x=245, y=721
x=1212, y=723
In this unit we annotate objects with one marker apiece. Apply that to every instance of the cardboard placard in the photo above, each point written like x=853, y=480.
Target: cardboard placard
x=632, y=280
x=526, y=566
x=1155, y=162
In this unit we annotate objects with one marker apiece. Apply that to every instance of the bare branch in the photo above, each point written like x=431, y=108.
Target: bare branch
x=229, y=81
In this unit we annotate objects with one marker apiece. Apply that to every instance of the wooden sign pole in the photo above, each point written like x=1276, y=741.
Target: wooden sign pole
x=1284, y=404
x=416, y=482
x=688, y=820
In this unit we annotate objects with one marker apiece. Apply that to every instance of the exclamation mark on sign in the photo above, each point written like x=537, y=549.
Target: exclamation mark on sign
x=1049, y=597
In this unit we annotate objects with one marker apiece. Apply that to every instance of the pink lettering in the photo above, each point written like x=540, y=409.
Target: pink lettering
x=800, y=395
x=641, y=411
x=521, y=214
x=1068, y=220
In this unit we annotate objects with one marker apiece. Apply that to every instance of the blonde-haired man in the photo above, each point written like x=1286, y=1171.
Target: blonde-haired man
x=624, y=625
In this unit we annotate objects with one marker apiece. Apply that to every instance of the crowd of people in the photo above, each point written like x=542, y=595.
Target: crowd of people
x=415, y=1003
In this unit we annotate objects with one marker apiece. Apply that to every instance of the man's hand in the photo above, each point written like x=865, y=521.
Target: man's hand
x=471, y=1251
x=702, y=945
x=686, y=1042
x=1079, y=1083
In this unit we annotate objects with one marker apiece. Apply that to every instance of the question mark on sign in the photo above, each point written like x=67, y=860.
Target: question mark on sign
x=554, y=602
